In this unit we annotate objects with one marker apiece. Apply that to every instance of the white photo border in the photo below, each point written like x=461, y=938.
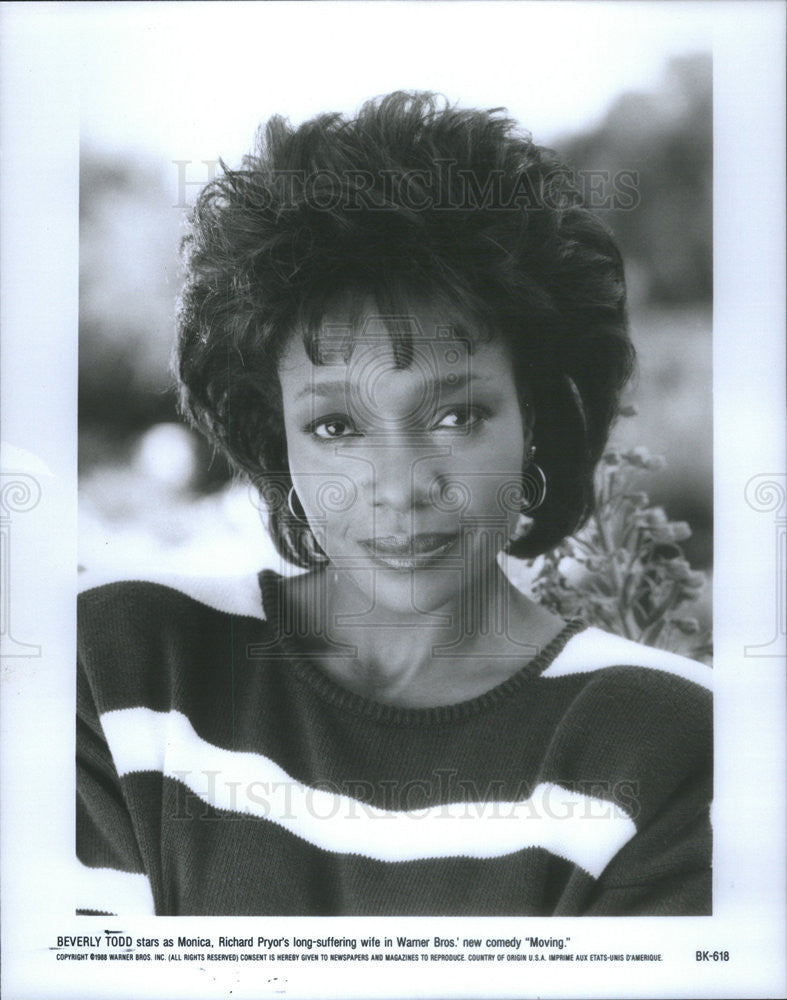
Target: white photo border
x=39, y=120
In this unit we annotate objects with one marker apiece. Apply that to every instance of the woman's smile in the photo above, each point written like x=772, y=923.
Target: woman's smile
x=404, y=552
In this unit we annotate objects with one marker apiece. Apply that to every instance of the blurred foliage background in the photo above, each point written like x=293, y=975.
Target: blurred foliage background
x=152, y=494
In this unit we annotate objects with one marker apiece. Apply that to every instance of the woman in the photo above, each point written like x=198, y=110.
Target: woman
x=410, y=333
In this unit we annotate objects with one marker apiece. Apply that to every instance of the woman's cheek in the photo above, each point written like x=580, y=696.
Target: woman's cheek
x=501, y=457
x=327, y=493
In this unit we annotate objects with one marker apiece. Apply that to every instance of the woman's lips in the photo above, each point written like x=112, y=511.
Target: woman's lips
x=409, y=551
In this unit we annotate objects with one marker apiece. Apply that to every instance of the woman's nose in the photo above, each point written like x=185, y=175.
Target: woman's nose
x=402, y=475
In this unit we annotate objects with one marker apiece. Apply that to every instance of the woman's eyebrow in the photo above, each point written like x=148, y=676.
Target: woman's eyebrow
x=449, y=382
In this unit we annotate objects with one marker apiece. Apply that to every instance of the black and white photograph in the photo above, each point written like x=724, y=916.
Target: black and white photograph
x=393, y=499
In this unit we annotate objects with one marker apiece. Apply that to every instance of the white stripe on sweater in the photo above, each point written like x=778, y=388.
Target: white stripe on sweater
x=594, y=649
x=585, y=830
x=108, y=890
x=234, y=595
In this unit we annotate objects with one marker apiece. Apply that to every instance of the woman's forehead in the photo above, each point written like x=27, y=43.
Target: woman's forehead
x=355, y=324
x=400, y=321
x=448, y=360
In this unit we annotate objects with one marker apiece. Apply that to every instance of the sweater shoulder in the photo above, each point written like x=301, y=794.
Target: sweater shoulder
x=636, y=724
x=230, y=595
x=601, y=657
x=633, y=712
x=641, y=700
x=142, y=641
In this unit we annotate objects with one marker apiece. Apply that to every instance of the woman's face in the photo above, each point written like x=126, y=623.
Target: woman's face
x=409, y=477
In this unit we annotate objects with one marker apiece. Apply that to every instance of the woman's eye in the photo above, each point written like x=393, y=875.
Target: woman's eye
x=331, y=429
x=460, y=418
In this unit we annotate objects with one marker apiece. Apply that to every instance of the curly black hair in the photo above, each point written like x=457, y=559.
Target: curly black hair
x=413, y=199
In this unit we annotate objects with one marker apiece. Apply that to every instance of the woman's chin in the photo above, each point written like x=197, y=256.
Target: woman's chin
x=408, y=591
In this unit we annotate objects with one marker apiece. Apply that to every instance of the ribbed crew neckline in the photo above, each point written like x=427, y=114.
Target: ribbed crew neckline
x=330, y=690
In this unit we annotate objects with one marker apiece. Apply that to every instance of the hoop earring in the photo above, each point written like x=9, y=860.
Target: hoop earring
x=534, y=485
x=291, y=498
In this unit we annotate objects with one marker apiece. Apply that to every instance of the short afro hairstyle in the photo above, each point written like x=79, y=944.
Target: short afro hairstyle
x=413, y=199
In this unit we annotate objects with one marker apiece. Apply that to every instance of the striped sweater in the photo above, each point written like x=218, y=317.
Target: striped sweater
x=218, y=773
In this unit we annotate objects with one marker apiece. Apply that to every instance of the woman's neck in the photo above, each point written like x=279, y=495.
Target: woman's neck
x=413, y=658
